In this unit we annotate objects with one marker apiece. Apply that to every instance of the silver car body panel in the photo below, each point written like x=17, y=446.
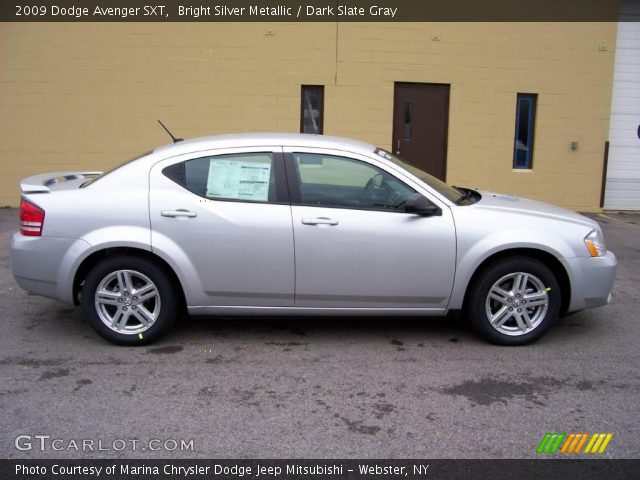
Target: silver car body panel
x=43, y=265
x=230, y=253
x=373, y=258
x=591, y=279
x=248, y=258
x=313, y=311
x=498, y=222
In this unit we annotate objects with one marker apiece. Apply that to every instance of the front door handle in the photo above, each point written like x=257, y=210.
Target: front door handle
x=319, y=221
x=178, y=213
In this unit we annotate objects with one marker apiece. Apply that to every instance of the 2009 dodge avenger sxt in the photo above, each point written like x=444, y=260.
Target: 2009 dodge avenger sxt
x=280, y=224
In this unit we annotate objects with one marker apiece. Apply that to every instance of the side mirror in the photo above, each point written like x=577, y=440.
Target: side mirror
x=419, y=205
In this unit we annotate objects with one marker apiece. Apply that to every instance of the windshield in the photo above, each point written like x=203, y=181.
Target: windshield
x=447, y=191
x=90, y=181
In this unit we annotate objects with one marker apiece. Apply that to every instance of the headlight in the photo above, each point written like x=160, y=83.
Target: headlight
x=595, y=244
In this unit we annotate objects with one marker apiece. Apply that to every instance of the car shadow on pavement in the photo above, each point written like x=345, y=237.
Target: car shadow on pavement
x=452, y=328
x=193, y=330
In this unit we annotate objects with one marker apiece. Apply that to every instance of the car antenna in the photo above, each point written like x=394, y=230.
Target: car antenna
x=175, y=140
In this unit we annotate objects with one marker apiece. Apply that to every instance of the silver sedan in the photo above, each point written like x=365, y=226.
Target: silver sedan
x=281, y=224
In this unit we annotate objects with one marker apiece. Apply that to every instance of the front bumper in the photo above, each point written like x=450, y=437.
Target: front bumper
x=591, y=280
x=44, y=265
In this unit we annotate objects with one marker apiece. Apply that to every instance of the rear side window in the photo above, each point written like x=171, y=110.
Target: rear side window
x=248, y=177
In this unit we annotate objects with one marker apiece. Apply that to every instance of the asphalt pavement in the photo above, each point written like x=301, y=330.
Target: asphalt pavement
x=317, y=388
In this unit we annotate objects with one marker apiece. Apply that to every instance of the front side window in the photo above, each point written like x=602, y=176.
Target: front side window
x=525, y=122
x=248, y=177
x=332, y=181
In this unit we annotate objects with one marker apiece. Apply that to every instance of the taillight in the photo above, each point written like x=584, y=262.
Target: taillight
x=31, y=219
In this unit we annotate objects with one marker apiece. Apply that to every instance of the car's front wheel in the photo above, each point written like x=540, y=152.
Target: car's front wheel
x=129, y=300
x=514, y=301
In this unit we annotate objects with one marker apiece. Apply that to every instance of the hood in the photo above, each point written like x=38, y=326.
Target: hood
x=512, y=204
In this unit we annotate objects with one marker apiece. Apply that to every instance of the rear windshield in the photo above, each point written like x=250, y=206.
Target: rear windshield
x=104, y=174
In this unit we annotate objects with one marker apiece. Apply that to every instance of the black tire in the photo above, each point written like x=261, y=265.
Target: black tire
x=140, y=268
x=539, y=275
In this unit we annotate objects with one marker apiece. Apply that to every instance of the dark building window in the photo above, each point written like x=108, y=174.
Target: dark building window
x=407, y=120
x=312, y=109
x=525, y=125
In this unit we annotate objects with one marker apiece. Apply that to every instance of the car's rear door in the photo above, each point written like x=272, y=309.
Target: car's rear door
x=354, y=245
x=222, y=219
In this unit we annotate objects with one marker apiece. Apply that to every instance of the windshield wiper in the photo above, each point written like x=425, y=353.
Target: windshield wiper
x=465, y=194
x=397, y=206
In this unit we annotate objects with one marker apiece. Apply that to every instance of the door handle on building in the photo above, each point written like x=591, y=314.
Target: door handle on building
x=319, y=221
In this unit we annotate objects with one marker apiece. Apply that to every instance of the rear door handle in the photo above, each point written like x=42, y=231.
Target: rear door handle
x=319, y=221
x=178, y=213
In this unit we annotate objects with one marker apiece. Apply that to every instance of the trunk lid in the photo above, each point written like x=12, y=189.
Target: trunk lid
x=46, y=182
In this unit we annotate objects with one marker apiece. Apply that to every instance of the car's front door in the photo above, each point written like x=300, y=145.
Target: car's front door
x=355, y=247
x=223, y=221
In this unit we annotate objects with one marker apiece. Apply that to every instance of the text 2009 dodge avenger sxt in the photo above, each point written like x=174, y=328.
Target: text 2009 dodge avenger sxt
x=278, y=224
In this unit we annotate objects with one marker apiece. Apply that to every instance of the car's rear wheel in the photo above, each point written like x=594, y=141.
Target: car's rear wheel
x=129, y=300
x=514, y=301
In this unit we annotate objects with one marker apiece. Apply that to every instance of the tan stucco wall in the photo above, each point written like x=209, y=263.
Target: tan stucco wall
x=87, y=96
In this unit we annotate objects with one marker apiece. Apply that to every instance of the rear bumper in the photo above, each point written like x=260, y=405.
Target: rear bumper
x=591, y=280
x=44, y=265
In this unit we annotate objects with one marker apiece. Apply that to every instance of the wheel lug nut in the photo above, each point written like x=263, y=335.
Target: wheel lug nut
x=119, y=300
x=519, y=309
x=510, y=309
x=124, y=308
x=509, y=300
x=135, y=298
x=133, y=307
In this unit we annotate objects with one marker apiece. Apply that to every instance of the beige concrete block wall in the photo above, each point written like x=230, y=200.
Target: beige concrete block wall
x=87, y=96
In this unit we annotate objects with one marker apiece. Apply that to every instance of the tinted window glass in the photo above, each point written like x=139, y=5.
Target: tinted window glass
x=435, y=183
x=312, y=109
x=332, y=181
x=525, y=123
x=244, y=176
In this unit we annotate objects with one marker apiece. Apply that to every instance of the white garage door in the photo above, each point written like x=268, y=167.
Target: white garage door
x=623, y=172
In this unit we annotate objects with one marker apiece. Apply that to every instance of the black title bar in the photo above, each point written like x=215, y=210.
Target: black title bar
x=317, y=469
x=311, y=11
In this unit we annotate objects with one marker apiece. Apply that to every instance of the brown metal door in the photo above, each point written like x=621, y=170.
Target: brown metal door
x=420, y=123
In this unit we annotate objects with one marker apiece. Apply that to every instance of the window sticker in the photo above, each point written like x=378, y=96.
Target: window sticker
x=241, y=179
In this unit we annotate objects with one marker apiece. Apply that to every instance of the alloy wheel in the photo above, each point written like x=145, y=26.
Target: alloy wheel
x=127, y=301
x=517, y=303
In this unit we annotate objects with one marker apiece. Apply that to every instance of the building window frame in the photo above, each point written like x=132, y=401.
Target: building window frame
x=306, y=108
x=523, y=142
